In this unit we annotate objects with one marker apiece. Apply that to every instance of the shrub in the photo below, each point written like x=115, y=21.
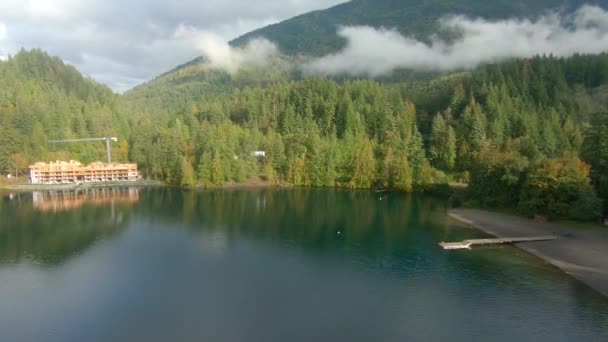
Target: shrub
x=560, y=189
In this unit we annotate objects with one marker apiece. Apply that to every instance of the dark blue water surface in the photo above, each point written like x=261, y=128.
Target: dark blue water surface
x=270, y=265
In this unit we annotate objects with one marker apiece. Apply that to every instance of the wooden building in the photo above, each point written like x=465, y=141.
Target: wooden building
x=60, y=172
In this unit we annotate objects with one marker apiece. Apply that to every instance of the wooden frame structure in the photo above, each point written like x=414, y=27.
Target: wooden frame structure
x=60, y=172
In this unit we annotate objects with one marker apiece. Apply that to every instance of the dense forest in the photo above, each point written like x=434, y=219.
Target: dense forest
x=42, y=99
x=528, y=134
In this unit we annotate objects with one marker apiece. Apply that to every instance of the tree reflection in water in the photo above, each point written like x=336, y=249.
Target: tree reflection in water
x=50, y=227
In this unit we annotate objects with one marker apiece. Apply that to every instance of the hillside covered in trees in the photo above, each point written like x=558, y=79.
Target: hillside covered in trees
x=515, y=131
x=526, y=133
x=42, y=99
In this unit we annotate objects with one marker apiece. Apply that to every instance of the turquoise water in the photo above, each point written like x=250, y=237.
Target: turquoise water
x=270, y=265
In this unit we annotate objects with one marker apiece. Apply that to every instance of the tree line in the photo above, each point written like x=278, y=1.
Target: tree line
x=529, y=134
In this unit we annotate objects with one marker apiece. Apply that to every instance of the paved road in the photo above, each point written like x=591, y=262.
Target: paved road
x=583, y=255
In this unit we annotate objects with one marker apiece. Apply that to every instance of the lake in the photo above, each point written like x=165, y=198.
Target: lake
x=165, y=264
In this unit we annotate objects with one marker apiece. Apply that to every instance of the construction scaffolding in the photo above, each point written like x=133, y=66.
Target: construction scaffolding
x=60, y=172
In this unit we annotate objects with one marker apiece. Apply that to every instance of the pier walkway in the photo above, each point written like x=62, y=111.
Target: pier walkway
x=580, y=252
x=467, y=244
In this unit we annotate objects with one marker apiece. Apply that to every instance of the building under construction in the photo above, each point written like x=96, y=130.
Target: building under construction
x=60, y=172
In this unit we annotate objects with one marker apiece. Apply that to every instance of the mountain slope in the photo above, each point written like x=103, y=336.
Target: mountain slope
x=41, y=98
x=495, y=127
x=315, y=33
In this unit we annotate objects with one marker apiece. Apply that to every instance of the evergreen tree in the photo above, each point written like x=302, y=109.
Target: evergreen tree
x=186, y=173
x=442, y=144
x=205, y=173
x=595, y=152
x=401, y=177
x=217, y=169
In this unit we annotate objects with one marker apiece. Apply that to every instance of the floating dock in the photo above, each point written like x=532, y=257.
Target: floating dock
x=467, y=244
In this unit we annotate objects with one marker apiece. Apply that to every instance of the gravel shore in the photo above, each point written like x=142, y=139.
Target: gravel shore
x=581, y=253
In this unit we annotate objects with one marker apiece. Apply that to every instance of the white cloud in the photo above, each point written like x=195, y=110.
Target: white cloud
x=2, y=31
x=223, y=56
x=380, y=51
x=589, y=16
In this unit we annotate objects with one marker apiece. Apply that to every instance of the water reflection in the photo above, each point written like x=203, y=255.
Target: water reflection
x=314, y=219
x=267, y=265
x=66, y=200
x=400, y=232
x=46, y=228
x=9, y=196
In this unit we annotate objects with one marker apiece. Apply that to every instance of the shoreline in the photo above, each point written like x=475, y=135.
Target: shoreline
x=74, y=186
x=580, y=253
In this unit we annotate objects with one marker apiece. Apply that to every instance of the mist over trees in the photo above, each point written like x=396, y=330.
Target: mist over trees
x=528, y=134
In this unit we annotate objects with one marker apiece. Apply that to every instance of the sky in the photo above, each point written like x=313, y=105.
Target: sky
x=123, y=43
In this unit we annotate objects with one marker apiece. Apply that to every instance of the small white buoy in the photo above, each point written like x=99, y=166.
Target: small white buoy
x=339, y=232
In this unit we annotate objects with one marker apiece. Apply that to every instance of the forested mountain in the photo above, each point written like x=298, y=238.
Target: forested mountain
x=198, y=78
x=529, y=133
x=315, y=33
x=515, y=131
x=41, y=98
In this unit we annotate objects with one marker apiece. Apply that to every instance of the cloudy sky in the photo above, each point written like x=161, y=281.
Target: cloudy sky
x=125, y=42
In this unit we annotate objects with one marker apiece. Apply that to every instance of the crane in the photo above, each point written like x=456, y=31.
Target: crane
x=106, y=139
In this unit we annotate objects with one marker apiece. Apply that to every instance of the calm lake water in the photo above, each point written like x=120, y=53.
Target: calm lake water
x=270, y=265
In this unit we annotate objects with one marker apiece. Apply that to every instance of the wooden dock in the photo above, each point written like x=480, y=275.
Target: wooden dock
x=467, y=244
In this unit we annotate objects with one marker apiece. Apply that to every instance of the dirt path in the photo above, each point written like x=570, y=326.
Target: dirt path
x=582, y=253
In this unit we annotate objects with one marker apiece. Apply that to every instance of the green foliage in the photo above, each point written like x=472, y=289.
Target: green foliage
x=401, y=176
x=492, y=124
x=595, y=152
x=363, y=167
x=315, y=132
x=41, y=98
x=560, y=189
x=217, y=170
x=205, y=173
x=497, y=177
x=186, y=173
x=442, y=144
